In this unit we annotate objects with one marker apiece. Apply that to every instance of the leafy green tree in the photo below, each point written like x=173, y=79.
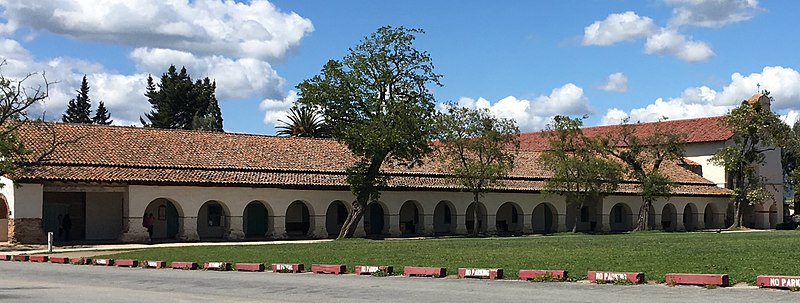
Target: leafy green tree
x=790, y=158
x=79, y=109
x=101, y=115
x=176, y=101
x=378, y=102
x=756, y=130
x=477, y=150
x=581, y=171
x=643, y=155
x=304, y=121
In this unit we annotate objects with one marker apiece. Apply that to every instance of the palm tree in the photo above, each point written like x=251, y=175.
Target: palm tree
x=304, y=122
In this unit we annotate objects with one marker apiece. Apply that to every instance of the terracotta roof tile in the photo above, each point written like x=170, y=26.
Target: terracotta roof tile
x=696, y=130
x=130, y=155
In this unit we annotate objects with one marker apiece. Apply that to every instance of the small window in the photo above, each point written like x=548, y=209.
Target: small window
x=214, y=215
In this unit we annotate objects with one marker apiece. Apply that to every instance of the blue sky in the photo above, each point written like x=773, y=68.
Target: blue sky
x=526, y=60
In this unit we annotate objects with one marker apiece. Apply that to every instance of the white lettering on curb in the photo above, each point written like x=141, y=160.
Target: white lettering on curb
x=610, y=276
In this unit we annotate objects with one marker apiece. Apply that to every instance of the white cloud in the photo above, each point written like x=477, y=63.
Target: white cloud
x=614, y=116
x=782, y=82
x=205, y=27
x=534, y=115
x=791, y=117
x=236, y=79
x=617, y=82
x=711, y=13
x=615, y=28
x=277, y=109
x=670, y=42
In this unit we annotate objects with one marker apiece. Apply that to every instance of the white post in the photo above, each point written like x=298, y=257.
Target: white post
x=50, y=242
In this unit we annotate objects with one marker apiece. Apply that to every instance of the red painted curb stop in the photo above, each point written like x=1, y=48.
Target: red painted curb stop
x=481, y=273
x=127, y=263
x=783, y=282
x=81, y=261
x=329, y=269
x=183, y=265
x=697, y=279
x=530, y=274
x=220, y=266
x=287, y=268
x=154, y=264
x=608, y=276
x=19, y=258
x=5, y=258
x=59, y=260
x=436, y=272
x=38, y=258
x=368, y=270
x=104, y=262
x=250, y=266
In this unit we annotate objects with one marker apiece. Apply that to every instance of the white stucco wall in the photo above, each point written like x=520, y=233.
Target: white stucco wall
x=702, y=153
x=27, y=201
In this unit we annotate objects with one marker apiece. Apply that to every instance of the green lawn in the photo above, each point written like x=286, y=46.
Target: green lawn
x=741, y=255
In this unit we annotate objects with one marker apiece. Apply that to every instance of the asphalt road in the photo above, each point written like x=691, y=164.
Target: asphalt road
x=35, y=282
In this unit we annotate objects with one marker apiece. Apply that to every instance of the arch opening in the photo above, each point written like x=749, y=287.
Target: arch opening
x=669, y=217
x=509, y=219
x=212, y=220
x=411, y=220
x=544, y=218
x=335, y=217
x=472, y=214
x=620, y=218
x=444, y=218
x=298, y=219
x=167, y=218
x=689, y=217
x=256, y=220
x=376, y=221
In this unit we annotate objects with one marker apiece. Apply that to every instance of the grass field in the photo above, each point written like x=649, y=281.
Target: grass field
x=741, y=255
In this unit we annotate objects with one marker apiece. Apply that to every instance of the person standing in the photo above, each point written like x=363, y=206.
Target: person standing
x=149, y=221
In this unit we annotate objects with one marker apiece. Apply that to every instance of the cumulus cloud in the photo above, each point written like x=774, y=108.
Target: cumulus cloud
x=791, y=117
x=206, y=27
x=617, y=82
x=711, y=13
x=782, y=82
x=670, y=42
x=614, y=116
x=534, y=115
x=615, y=28
x=277, y=109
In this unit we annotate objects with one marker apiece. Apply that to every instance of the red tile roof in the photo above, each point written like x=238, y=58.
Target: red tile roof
x=130, y=155
x=696, y=130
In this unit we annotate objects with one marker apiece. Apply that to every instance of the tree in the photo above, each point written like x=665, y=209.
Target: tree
x=378, y=103
x=644, y=154
x=581, y=172
x=790, y=158
x=477, y=150
x=101, y=115
x=176, y=101
x=756, y=130
x=79, y=109
x=303, y=122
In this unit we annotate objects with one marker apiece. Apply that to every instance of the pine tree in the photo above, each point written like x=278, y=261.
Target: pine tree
x=102, y=116
x=79, y=109
x=176, y=102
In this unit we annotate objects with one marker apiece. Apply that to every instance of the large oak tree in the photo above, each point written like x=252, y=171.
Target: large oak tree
x=378, y=102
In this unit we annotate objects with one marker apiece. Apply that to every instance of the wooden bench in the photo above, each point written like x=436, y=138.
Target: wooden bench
x=611, y=277
x=531, y=274
x=368, y=270
x=481, y=273
x=249, y=266
x=127, y=263
x=329, y=269
x=220, y=266
x=697, y=279
x=154, y=264
x=287, y=268
x=436, y=272
x=183, y=265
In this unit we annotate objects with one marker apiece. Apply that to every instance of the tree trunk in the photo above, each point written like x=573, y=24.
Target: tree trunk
x=796, y=201
x=475, y=201
x=737, y=215
x=643, y=223
x=577, y=218
x=351, y=223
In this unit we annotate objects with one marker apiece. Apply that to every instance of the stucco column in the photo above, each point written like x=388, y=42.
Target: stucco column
x=604, y=217
x=360, y=232
x=561, y=225
x=461, y=224
x=657, y=223
x=135, y=232
x=235, y=228
x=762, y=218
x=319, y=230
x=428, y=229
x=491, y=224
x=278, y=227
x=188, y=231
x=679, y=222
x=394, y=225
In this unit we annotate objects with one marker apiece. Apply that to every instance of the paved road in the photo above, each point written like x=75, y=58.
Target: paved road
x=35, y=282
